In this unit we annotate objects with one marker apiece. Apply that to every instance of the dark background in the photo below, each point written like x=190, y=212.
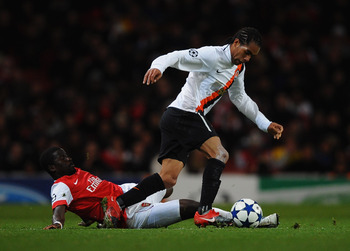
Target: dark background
x=71, y=74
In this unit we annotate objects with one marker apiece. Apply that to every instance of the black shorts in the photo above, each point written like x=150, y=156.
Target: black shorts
x=181, y=133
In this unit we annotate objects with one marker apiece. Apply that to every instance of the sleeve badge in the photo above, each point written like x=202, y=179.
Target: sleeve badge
x=193, y=53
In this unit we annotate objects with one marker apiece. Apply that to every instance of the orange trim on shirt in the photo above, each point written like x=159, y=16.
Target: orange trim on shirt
x=218, y=93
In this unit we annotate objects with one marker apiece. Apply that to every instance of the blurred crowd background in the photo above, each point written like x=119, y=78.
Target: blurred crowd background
x=71, y=74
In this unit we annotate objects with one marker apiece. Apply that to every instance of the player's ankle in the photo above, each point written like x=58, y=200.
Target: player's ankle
x=204, y=209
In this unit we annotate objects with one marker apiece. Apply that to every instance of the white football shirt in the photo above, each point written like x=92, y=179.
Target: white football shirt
x=211, y=74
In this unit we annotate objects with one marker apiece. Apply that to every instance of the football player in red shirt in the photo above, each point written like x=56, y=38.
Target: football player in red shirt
x=94, y=199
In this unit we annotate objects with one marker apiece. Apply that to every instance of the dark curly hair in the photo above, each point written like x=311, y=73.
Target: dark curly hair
x=47, y=157
x=247, y=35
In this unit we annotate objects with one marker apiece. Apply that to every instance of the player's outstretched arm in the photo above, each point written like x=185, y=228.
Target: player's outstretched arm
x=58, y=218
x=275, y=130
x=152, y=76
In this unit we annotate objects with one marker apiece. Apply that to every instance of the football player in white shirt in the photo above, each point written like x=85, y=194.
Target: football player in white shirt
x=213, y=71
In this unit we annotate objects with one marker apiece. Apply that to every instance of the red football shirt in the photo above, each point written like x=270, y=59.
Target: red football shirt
x=82, y=193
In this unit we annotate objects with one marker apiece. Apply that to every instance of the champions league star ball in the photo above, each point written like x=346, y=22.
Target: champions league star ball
x=246, y=213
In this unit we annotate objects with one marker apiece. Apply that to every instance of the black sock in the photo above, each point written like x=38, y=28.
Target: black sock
x=210, y=184
x=146, y=187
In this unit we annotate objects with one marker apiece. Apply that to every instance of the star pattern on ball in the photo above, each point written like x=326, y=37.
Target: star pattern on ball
x=249, y=208
x=234, y=212
x=246, y=213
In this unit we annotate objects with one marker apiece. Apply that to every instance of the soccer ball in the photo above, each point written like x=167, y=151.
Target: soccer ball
x=246, y=213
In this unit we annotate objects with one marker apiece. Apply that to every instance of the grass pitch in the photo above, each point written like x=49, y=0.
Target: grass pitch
x=303, y=227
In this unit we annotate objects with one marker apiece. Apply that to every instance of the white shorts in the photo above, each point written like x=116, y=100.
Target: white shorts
x=151, y=213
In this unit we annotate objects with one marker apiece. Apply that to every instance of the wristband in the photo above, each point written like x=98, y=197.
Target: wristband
x=58, y=223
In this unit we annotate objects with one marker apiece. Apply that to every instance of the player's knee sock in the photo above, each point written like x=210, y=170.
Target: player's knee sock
x=210, y=184
x=146, y=187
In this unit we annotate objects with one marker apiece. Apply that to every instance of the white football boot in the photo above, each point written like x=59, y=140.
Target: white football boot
x=270, y=221
x=224, y=219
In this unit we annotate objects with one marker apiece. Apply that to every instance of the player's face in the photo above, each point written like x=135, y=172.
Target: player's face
x=243, y=53
x=64, y=164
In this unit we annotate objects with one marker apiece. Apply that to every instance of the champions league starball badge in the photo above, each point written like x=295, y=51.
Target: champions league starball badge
x=193, y=53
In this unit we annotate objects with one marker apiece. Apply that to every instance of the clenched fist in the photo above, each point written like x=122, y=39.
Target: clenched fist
x=275, y=130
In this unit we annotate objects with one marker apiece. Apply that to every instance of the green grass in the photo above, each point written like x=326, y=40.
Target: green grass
x=321, y=228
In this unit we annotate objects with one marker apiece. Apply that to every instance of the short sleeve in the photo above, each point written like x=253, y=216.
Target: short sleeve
x=60, y=195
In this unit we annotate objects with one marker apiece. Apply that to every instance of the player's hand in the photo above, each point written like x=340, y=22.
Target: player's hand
x=85, y=223
x=53, y=226
x=152, y=76
x=275, y=130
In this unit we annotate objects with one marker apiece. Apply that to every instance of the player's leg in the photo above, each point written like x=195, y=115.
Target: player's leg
x=146, y=187
x=113, y=207
x=188, y=208
x=217, y=158
x=224, y=219
x=137, y=214
x=169, y=192
x=218, y=218
x=154, y=183
x=165, y=214
x=225, y=214
x=156, y=215
x=167, y=178
x=150, y=213
x=170, y=171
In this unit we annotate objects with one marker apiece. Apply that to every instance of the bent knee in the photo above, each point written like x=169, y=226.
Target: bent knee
x=171, y=169
x=222, y=155
x=168, y=180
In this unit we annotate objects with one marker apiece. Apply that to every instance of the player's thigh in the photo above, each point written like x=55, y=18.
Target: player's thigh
x=137, y=214
x=155, y=215
x=163, y=214
x=182, y=132
x=155, y=198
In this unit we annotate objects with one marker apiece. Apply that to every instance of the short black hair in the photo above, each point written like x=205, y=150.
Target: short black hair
x=47, y=157
x=247, y=35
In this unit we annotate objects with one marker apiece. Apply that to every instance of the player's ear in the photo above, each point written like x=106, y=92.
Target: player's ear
x=236, y=42
x=52, y=168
